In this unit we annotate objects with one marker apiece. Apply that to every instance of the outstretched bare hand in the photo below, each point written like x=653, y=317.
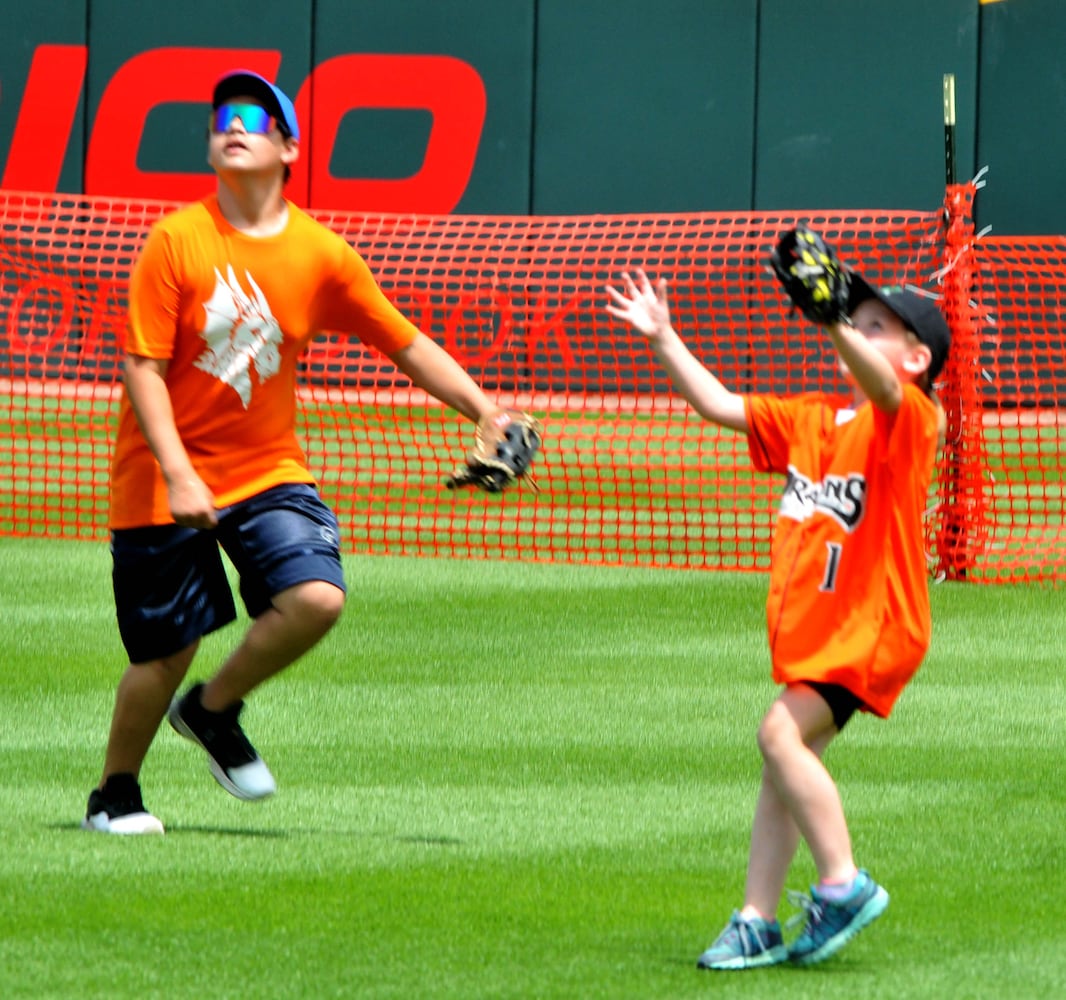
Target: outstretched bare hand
x=642, y=305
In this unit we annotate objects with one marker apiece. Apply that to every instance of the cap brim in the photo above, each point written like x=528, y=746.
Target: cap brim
x=859, y=290
x=245, y=82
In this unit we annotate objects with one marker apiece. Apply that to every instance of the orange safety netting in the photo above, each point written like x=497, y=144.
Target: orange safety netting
x=628, y=474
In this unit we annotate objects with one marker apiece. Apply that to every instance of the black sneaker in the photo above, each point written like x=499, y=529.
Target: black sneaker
x=232, y=759
x=118, y=808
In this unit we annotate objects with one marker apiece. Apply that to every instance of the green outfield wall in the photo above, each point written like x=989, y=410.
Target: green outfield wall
x=555, y=106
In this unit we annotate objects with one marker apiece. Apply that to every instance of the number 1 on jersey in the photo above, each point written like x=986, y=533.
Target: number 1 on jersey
x=832, y=567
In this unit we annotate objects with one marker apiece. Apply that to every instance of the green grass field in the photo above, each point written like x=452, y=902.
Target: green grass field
x=510, y=781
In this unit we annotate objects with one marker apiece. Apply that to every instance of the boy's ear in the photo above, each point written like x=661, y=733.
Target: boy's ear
x=291, y=153
x=917, y=360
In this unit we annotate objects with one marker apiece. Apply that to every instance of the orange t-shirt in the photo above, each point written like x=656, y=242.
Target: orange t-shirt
x=849, y=596
x=232, y=313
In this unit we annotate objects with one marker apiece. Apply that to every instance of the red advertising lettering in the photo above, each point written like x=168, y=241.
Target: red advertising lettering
x=159, y=76
x=450, y=89
x=40, y=316
x=46, y=117
x=543, y=322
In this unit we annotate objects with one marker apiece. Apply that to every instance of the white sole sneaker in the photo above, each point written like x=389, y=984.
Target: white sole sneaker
x=249, y=782
x=131, y=824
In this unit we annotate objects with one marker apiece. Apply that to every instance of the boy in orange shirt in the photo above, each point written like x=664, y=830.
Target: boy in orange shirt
x=223, y=300
x=848, y=607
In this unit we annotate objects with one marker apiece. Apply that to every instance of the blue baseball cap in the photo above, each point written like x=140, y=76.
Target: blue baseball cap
x=243, y=81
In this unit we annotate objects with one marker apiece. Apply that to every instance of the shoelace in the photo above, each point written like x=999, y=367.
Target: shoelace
x=810, y=910
x=748, y=935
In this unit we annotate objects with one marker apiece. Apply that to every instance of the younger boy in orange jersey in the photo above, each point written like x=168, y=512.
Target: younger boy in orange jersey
x=223, y=300
x=848, y=607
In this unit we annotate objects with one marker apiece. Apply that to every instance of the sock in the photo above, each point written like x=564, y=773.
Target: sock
x=118, y=784
x=750, y=913
x=837, y=891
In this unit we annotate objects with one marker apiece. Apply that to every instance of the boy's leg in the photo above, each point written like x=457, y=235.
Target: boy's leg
x=296, y=620
x=752, y=938
x=284, y=545
x=792, y=738
x=170, y=589
x=115, y=805
x=209, y=714
x=141, y=702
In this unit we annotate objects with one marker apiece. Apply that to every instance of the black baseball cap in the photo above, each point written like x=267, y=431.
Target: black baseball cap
x=919, y=313
x=273, y=98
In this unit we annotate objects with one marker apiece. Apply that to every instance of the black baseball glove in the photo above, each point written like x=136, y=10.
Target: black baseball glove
x=504, y=446
x=812, y=275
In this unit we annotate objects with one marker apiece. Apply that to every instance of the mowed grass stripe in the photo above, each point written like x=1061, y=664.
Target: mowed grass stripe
x=512, y=780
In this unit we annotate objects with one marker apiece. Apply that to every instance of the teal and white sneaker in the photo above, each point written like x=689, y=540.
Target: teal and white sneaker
x=831, y=925
x=745, y=944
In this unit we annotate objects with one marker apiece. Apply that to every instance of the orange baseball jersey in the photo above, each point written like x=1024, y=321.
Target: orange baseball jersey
x=231, y=314
x=849, y=596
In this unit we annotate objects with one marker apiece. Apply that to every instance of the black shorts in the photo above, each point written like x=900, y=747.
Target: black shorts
x=170, y=583
x=842, y=703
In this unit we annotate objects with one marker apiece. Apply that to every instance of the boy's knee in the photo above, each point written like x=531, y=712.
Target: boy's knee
x=776, y=731
x=328, y=603
x=316, y=604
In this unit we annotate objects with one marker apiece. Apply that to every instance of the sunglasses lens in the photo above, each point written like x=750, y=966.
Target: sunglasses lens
x=253, y=118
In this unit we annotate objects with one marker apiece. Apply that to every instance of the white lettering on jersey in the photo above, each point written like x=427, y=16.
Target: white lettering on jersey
x=843, y=498
x=240, y=332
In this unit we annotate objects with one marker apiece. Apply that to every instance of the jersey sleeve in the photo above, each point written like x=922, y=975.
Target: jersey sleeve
x=353, y=302
x=771, y=423
x=912, y=430
x=154, y=298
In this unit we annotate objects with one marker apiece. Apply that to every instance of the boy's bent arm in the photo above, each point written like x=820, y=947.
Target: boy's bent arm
x=704, y=392
x=646, y=308
x=871, y=370
x=191, y=502
x=432, y=368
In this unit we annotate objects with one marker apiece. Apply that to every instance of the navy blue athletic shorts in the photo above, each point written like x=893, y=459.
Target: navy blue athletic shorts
x=170, y=582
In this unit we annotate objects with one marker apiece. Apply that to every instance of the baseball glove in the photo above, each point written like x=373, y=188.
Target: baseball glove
x=504, y=447
x=812, y=275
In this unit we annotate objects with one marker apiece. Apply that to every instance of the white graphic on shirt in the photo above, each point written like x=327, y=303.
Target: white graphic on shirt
x=240, y=332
